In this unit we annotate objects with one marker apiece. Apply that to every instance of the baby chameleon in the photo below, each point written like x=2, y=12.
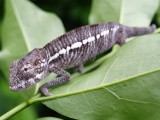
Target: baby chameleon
x=69, y=50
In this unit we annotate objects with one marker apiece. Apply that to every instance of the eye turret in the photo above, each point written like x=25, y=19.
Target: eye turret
x=25, y=69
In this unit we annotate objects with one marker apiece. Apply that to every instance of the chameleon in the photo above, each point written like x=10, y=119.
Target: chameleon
x=70, y=50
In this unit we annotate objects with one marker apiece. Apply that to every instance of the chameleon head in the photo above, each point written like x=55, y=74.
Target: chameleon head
x=29, y=70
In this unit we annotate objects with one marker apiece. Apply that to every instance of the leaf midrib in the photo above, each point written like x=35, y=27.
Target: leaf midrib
x=91, y=89
x=20, y=26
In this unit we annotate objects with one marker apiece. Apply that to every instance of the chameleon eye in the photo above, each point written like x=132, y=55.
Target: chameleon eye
x=25, y=69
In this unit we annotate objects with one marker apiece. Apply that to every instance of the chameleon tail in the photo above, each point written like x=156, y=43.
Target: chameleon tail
x=136, y=31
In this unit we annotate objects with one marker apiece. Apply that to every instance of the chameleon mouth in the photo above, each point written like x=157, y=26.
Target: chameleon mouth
x=23, y=85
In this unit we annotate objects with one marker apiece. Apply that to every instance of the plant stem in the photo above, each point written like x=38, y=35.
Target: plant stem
x=14, y=111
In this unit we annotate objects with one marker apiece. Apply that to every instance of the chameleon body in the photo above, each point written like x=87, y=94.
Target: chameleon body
x=69, y=50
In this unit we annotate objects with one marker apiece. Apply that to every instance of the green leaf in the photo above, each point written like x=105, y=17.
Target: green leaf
x=124, y=87
x=27, y=114
x=25, y=27
x=48, y=118
x=133, y=13
x=158, y=15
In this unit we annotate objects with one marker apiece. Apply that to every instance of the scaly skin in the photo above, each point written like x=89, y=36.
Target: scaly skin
x=72, y=49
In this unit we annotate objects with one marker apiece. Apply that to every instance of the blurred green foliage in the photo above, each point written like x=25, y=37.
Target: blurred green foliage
x=73, y=14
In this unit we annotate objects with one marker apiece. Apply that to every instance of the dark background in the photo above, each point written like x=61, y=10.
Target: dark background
x=73, y=13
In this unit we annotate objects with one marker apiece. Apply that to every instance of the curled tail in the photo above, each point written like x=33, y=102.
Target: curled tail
x=136, y=31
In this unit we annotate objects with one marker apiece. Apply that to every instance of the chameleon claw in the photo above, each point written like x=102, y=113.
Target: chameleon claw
x=45, y=91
